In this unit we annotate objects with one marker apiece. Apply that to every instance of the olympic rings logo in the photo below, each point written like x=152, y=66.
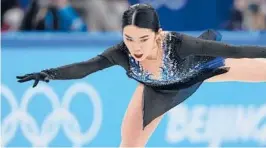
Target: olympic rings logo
x=59, y=116
x=171, y=4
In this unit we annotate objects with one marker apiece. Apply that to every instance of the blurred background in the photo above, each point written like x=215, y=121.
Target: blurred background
x=40, y=34
x=104, y=15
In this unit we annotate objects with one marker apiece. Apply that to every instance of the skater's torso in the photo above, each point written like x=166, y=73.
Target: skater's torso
x=172, y=68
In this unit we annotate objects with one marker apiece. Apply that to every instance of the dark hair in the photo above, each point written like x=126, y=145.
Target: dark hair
x=141, y=15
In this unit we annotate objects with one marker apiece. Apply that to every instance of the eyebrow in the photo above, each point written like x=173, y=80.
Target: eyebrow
x=144, y=36
x=128, y=36
x=140, y=37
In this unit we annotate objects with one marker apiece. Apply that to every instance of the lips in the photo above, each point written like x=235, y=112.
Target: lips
x=138, y=55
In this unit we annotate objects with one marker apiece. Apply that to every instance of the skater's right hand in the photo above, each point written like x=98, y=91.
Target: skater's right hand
x=40, y=76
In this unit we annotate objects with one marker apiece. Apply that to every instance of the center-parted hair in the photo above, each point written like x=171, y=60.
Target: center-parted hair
x=143, y=16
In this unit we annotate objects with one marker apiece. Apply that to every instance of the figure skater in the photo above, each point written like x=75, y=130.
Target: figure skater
x=169, y=67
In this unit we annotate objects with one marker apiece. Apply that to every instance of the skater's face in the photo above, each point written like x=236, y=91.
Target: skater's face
x=141, y=42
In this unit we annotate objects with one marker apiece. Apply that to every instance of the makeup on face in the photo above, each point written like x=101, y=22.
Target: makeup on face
x=139, y=41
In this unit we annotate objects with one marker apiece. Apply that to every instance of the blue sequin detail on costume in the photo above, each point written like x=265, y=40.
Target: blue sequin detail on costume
x=170, y=70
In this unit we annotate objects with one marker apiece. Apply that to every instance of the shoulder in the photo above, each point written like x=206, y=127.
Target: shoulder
x=117, y=49
x=180, y=44
x=117, y=54
x=186, y=39
x=173, y=37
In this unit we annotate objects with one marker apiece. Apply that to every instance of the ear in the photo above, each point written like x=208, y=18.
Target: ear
x=160, y=30
x=159, y=34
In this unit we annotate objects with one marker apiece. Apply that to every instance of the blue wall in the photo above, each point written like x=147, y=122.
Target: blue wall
x=190, y=15
x=218, y=114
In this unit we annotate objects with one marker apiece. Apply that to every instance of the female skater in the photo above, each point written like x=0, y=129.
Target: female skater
x=169, y=67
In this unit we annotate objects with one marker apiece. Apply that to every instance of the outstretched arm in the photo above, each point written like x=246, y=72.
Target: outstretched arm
x=189, y=45
x=78, y=70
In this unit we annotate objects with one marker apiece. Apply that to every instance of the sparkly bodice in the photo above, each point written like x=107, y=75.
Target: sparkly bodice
x=174, y=69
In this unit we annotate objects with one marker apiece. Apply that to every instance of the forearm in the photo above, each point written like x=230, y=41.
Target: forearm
x=78, y=70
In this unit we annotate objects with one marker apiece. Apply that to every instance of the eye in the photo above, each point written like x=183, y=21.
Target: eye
x=144, y=40
x=130, y=40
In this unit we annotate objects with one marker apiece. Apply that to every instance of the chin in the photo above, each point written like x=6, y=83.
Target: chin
x=139, y=60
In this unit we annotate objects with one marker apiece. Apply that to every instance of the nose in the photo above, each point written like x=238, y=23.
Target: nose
x=136, y=47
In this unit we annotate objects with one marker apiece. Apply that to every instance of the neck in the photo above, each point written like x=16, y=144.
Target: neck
x=156, y=52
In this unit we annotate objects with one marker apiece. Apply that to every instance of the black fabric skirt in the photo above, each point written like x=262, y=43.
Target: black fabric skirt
x=159, y=100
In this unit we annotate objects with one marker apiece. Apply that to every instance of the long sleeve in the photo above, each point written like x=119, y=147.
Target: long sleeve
x=188, y=45
x=108, y=58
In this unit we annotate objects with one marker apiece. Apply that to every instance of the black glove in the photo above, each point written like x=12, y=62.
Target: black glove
x=41, y=76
